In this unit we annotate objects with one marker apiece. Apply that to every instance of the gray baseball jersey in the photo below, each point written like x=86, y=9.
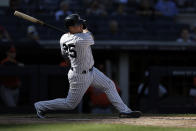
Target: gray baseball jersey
x=78, y=48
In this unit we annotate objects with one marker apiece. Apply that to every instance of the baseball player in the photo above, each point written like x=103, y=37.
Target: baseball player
x=76, y=44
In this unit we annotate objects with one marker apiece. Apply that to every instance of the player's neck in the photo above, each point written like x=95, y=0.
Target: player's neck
x=75, y=32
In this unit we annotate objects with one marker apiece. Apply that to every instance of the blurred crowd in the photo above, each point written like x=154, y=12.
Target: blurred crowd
x=61, y=8
x=111, y=9
x=104, y=7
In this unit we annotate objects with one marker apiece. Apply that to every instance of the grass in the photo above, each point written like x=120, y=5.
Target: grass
x=85, y=127
x=61, y=124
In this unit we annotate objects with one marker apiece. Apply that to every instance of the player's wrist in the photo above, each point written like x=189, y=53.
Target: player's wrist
x=85, y=31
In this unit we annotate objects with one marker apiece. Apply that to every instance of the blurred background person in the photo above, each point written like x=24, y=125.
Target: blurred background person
x=186, y=5
x=192, y=91
x=120, y=11
x=10, y=85
x=143, y=88
x=162, y=90
x=86, y=3
x=4, y=35
x=64, y=63
x=13, y=5
x=32, y=35
x=167, y=8
x=113, y=29
x=63, y=11
x=145, y=8
x=96, y=9
x=185, y=36
x=193, y=33
x=122, y=1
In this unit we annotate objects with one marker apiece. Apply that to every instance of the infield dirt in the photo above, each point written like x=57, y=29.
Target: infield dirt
x=162, y=121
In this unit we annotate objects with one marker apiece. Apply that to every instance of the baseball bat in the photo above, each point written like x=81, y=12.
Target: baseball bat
x=37, y=21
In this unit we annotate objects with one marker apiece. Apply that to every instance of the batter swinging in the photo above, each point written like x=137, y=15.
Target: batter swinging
x=77, y=46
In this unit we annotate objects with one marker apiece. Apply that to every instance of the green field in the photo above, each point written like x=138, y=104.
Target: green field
x=86, y=127
x=84, y=122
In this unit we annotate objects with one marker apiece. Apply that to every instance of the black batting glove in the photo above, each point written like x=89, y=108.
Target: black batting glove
x=84, y=26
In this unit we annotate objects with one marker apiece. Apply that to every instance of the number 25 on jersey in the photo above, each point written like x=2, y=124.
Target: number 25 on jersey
x=70, y=50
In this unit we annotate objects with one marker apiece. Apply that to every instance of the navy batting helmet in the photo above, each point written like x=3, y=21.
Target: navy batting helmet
x=74, y=19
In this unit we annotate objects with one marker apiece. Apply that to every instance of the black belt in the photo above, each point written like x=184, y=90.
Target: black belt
x=84, y=71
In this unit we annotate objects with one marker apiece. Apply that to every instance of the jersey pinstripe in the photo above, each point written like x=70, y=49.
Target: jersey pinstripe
x=77, y=48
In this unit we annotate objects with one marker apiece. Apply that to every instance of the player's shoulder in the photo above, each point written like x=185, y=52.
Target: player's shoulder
x=84, y=36
x=66, y=37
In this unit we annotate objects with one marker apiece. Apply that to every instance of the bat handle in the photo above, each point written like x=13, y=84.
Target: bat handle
x=53, y=27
